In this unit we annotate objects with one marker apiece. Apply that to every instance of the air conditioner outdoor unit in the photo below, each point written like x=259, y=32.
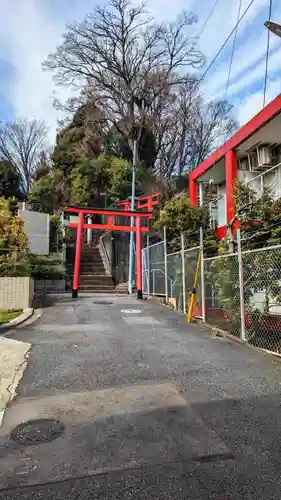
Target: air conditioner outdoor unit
x=264, y=156
x=253, y=160
x=244, y=164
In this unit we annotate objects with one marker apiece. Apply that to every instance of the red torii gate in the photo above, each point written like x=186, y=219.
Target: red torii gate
x=108, y=226
x=142, y=202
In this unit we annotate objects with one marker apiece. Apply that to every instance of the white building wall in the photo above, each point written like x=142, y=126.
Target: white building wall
x=221, y=205
x=37, y=227
x=272, y=180
x=247, y=176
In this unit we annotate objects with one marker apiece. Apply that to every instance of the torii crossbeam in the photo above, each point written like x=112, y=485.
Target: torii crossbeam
x=110, y=225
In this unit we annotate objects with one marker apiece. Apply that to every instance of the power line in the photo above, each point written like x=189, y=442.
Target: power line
x=225, y=42
x=232, y=52
x=267, y=56
x=208, y=18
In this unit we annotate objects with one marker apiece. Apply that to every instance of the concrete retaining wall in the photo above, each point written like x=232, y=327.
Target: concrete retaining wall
x=16, y=293
x=49, y=286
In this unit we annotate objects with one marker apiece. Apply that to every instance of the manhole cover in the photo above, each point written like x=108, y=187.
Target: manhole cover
x=37, y=431
x=102, y=302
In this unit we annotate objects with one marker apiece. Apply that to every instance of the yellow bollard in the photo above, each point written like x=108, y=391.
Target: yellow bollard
x=193, y=293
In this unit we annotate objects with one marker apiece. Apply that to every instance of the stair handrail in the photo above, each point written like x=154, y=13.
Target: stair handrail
x=105, y=256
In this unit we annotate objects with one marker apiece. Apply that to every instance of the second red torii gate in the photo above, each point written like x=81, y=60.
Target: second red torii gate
x=145, y=201
x=110, y=225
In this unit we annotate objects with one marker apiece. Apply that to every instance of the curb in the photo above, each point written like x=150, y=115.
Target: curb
x=27, y=313
x=2, y=414
x=17, y=375
x=217, y=332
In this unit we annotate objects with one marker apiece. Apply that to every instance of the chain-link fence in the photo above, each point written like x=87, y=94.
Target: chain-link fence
x=193, y=283
x=153, y=259
x=222, y=293
x=172, y=275
x=243, y=295
x=237, y=292
x=262, y=297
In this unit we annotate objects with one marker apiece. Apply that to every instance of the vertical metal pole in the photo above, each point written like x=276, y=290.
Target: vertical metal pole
x=131, y=256
x=203, y=305
x=89, y=230
x=78, y=251
x=241, y=286
x=63, y=236
x=262, y=185
x=153, y=281
x=183, y=274
x=166, y=266
x=139, y=258
x=148, y=264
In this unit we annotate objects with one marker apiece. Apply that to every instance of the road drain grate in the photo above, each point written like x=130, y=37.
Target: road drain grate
x=37, y=431
x=103, y=302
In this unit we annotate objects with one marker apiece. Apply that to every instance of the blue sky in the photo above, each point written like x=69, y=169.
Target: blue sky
x=30, y=29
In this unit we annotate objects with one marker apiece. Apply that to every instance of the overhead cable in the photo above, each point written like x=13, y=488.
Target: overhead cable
x=225, y=42
x=232, y=52
x=267, y=56
x=208, y=18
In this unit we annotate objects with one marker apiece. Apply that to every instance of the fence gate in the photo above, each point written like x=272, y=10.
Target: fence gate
x=145, y=271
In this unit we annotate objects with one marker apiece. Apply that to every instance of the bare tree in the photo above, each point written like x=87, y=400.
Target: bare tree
x=187, y=130
x=126, y=60
x=21, y=143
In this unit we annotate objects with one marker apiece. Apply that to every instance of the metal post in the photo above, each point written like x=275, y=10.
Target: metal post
x=139, y=258
x=78, y=251
x=262, y=185
x=153, y=281
x=241, y=286
x=183, y=274
x=89, y=230
x=131, y=256
x=203, y=305
x=148, y=264
x=166, y=266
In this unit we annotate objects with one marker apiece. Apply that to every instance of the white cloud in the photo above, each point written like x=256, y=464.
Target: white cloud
x=251, y=104
x=29, y=32
x=249, y=59
x=30, y=29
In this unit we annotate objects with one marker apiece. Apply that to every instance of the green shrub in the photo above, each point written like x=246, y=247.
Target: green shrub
x=46, y=267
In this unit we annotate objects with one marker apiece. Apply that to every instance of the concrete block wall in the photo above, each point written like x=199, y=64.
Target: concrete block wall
x=16, y=293
x=49, y=286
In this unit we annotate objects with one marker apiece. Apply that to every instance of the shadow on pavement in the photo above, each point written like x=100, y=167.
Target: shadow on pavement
x=160, y=454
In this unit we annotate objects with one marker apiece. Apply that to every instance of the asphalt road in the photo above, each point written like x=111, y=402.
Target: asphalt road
x=153, y=409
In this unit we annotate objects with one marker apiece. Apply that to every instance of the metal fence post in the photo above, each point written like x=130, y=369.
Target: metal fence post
x=202, y=276
x=203, y=305
x=153, y=282
x=183, y=274
x=148, y=265
x=241, y=286
x=166, y=266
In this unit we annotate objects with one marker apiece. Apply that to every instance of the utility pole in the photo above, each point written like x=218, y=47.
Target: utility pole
x=131, y=256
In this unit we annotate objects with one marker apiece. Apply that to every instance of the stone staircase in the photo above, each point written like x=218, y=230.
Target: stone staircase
x=93, y=278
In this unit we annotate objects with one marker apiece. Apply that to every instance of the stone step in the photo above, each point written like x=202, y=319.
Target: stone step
x=96, y=289
x=97, y=286
x=99, y=283
x=96, y=282
x=102, y=292
x=97, y=272
x=91, y=264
